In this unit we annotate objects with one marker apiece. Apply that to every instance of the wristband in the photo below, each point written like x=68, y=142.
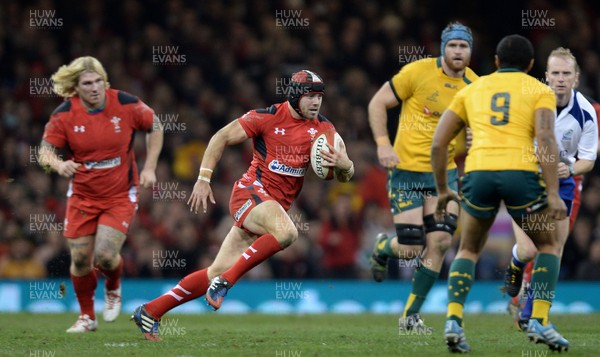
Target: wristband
x=205, y=169
x=203, y=178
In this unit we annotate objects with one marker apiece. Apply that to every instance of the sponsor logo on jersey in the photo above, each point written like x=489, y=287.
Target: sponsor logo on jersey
x=433, y=96
x=567, y=135
x=242, y=209
x=104, y=164
x=280, y=131
x=262, y=190
x=79, y=128
x=451, y=86
x=277, y=167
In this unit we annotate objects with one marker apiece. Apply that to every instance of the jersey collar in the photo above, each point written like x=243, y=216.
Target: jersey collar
x=508, y=69
x=92, y=111
x=438, y=63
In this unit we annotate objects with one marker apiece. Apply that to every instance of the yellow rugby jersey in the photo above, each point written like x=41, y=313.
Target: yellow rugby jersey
x=499, y=108
x=425, y=92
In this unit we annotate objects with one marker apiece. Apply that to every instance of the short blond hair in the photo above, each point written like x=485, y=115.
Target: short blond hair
x=67, y=76
x=565, y=54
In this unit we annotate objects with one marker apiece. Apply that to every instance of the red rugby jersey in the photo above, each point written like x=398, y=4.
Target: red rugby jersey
x=281, y=154
x=102, y=142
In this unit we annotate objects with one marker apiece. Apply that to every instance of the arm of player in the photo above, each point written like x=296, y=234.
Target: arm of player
x=50, y=161
x=383, y=100
x=154, y=143
x=231, y=134
x=583, y=167
x=343, y=166
x=547, y=154
x=449, y=126
x=580, y=167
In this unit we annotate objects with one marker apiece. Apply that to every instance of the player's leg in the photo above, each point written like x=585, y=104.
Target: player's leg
x=523, y=252
x=576, y=201
x=527, y=205
x=113, y=225
x=81, y=222
x=430, y=261
x=406, y=200
x=479, y=208
x=562, y=230
x=438, y=240
x=567, y=192
x=276, y=231
x=570, y=192
x=543, y=284
x=474, y=232
x=84, y=281
x=110, y=263
x=195, y=284
x=407, y=244
x=192, y=286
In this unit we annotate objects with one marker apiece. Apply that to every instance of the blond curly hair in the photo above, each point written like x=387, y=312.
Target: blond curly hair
x=67, y=76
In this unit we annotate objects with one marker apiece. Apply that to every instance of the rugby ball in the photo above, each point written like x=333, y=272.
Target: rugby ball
x=319, y=144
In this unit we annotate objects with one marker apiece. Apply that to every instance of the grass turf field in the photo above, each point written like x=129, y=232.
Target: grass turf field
x=282, y=336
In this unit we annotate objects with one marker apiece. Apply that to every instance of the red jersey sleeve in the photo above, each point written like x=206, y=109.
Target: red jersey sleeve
x=253, y=123
x=143, y=116
x=54, y=132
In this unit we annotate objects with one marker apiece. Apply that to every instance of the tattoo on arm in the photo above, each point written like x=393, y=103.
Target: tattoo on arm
x=49, y=156
x=546, y=121
x=47, y=145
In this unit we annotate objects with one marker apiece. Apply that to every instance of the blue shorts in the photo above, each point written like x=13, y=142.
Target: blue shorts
x=566, y=190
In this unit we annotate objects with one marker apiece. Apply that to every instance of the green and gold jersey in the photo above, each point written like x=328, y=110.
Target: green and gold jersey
x=499, y=108
x=425, y=92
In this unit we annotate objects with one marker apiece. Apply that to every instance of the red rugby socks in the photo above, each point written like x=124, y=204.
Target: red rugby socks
x=189, y=288
x=113, y=277
x=84, y=287
x=264, y=247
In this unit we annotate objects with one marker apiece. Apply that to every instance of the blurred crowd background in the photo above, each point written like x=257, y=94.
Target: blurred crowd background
x=201, y=64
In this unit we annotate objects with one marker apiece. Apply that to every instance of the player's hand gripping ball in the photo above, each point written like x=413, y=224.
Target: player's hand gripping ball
x=320, y=143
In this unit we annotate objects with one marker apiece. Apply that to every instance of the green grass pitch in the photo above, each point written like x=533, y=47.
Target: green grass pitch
x=216, y=334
